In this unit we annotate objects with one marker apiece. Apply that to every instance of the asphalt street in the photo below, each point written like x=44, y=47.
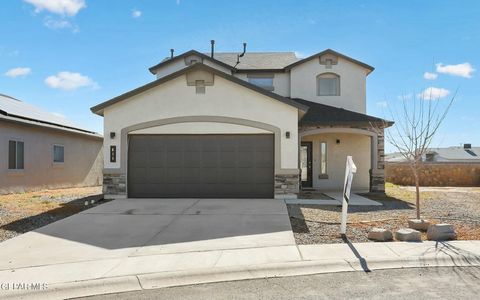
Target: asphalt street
x=415, y=283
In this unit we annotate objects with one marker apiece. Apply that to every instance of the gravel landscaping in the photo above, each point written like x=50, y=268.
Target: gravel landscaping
x=315, y=224
x=20, y=213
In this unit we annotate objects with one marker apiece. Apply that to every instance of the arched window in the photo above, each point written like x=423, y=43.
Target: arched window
x=328, y=84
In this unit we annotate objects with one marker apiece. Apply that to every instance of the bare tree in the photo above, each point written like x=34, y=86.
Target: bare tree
x=416, y=124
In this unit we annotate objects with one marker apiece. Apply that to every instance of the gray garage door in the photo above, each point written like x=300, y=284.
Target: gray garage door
x=201, y=166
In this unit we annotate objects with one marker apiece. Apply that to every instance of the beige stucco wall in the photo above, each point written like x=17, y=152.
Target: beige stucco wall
x=224, y=99
x=352, y=84
x=358, y=146
x=200, y=128
x=281, y=82
x=82, y=166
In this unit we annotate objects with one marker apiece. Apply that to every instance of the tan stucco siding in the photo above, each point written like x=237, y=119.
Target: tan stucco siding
x=175, y=99
x=352, y=84
x=200, y=128
x=82, y=166
x=358, y=146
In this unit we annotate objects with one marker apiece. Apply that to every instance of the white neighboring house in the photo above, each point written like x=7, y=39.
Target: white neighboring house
x=259, y=126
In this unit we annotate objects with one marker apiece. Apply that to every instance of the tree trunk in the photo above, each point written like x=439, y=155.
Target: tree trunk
x=417, y=192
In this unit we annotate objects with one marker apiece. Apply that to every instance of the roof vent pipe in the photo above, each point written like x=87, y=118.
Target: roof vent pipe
x=171, y=53
x=212, y=42
x=242, y=54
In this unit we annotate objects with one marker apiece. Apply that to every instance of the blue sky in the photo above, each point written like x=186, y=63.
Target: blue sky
x=71, y=57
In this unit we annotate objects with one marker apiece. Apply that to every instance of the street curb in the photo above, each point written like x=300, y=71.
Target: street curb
x=181, y=278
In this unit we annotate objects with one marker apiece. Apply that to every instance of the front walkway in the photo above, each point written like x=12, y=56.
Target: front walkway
x=316, y=197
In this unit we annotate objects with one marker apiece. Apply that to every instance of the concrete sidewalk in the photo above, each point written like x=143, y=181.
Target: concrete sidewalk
x=130, y=273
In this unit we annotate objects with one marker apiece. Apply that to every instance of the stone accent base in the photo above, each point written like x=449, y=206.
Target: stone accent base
x=286, y=186
x=377, y=181
x=114, y=184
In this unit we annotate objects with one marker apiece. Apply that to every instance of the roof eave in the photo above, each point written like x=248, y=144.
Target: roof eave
x=98, y=109
x=364, y=65
x=185, y=54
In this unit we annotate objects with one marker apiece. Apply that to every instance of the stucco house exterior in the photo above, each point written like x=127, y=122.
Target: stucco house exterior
x=257, y=125
x=41, y=150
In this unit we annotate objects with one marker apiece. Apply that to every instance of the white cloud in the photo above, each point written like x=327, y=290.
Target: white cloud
x=69, y=81
x=57, y=24
x=430, y=76
x=61, y=7
x=136, y=13
x=462, y=70
x=433, y=93
x=15, y=72
x=382, y=104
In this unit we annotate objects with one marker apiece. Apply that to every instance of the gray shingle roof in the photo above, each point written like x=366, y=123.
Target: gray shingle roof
x=14, y=108
x=321, y=114
x=257, y=60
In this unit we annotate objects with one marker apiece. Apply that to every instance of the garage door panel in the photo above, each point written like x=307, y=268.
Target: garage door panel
x=210, y=159
x=199, y=166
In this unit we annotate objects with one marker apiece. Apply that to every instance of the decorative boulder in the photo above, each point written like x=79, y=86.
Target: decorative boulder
x=380, y=235
x=408, y=235
x=419, y=224
x=441, y=232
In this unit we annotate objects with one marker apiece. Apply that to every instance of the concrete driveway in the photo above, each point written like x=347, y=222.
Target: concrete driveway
x=143, y=227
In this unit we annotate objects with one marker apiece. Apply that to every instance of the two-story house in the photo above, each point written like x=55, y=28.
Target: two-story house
x=257, y=125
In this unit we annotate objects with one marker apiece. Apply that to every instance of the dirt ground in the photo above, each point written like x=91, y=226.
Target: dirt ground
x=24, y=212
x=313, y=224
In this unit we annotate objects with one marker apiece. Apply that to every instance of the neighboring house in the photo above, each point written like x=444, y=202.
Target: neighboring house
x=452, y=166
x=42, y=150
x=464, y=154
x=259, y=125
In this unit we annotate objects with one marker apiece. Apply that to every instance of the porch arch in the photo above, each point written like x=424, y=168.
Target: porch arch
x=373, y=138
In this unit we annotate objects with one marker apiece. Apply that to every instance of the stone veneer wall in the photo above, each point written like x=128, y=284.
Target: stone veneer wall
x=287, y=185
x=377, y=177
x=435, y=174
x=114, y=184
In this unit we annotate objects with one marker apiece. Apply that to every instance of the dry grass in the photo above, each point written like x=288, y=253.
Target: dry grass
x=24, y=212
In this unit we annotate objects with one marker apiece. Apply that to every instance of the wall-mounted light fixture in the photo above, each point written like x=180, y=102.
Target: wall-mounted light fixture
x=338, y=141
x=287, y=134
x=112, y=135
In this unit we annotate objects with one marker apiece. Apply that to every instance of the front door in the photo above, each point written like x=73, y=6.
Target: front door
x=306, y=164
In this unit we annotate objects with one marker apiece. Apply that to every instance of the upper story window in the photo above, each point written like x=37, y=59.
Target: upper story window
x=15, y=155
x=264, y=81
x=328, y=84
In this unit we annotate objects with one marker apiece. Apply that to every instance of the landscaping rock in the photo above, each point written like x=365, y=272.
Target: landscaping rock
x=380, y=235
x=408, y=235
x=441, y=232
x=419, y=224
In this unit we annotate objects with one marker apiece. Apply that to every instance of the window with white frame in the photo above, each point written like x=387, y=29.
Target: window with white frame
x=58, y=154
x=264, y=81
x=328, y=84
x=15, y=155
x=323, y=159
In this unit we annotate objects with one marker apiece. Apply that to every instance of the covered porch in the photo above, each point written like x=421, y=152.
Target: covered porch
x=327, y=135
